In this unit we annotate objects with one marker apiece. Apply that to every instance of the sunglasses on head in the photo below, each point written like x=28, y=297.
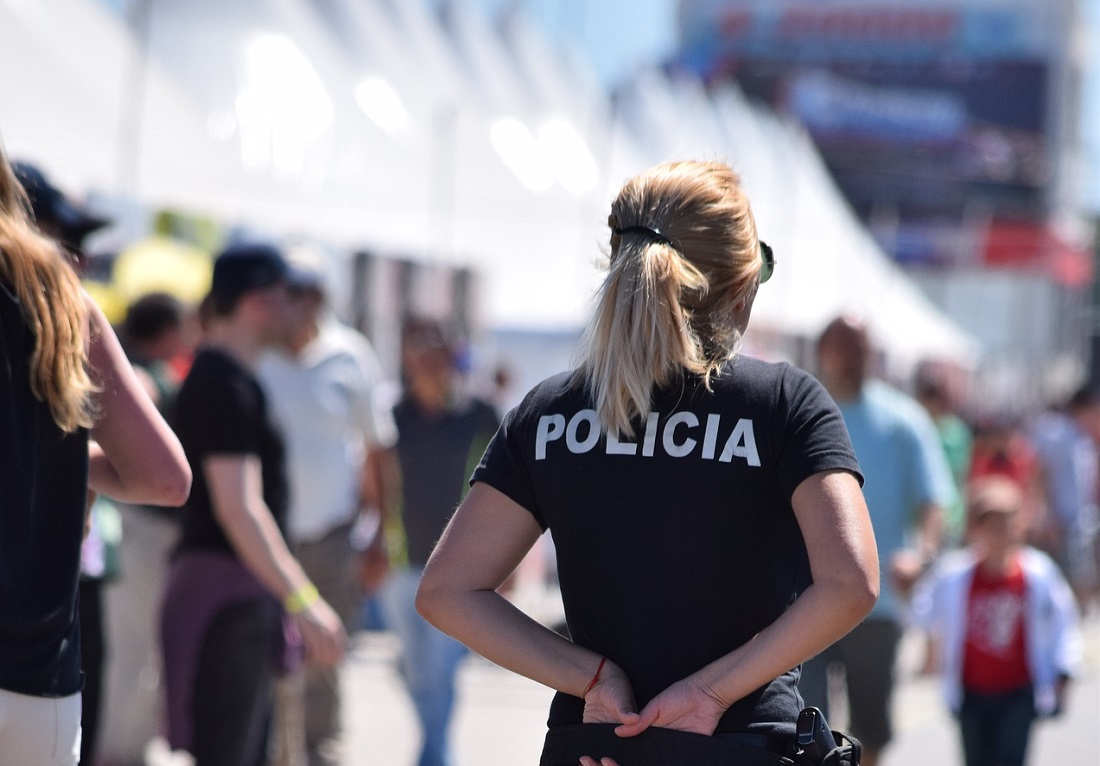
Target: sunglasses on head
x=768, y=257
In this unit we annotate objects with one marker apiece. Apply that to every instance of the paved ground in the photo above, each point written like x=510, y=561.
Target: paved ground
x=501, y=717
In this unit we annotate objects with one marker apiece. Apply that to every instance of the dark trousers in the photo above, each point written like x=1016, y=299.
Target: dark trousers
x=866, y=658
x=91, y=663
x=235, y=685
x=995, y=728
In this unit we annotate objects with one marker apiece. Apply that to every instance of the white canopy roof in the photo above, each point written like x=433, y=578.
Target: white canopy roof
x=378, y=124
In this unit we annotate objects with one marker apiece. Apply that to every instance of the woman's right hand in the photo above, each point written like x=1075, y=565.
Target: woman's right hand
x=322, y=633
x=685, y=706
x=611, y=699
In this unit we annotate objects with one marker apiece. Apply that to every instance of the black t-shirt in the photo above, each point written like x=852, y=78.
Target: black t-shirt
x=221, y=410
x=437, y=453
x=43, y=491
x=678, y=545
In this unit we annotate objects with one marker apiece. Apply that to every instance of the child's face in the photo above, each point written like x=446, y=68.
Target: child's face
x=995, y=532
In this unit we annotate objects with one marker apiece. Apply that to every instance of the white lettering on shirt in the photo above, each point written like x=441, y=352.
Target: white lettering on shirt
x=551, y=427
x=616, y=447
x=571, y=441
x=677, y=437
x=711, y=437
x=650, y=434
x=672, y=449
x=741, y=443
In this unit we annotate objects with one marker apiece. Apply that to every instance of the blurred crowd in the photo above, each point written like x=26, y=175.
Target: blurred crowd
x=337, y=513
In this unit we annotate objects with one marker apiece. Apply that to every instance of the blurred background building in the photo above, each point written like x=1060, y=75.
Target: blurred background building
x=917, y=162
x=953, y=128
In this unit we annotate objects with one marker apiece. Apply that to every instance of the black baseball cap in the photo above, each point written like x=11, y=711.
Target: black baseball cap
x=53, y=211
x=244, y=267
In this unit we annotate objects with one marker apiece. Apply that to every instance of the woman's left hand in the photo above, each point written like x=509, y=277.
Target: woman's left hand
x=611, y=699
x=684, y=706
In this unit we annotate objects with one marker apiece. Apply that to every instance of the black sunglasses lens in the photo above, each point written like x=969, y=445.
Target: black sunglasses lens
x=768, y=257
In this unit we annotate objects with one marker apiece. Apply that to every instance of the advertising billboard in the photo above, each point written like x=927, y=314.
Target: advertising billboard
x=927, y=114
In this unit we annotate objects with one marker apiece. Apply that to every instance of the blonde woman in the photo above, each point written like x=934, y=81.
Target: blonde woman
x=73, y=418
x=705, y=507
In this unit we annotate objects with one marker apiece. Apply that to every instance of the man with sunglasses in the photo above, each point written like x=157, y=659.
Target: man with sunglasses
x=324, y=383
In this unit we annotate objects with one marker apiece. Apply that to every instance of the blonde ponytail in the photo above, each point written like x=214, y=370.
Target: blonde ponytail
x=683, y=250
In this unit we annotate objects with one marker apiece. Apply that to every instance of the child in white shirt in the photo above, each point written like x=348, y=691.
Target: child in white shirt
x=1004, y=627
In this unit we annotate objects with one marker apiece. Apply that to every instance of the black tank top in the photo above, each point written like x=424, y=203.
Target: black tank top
x=43, y=490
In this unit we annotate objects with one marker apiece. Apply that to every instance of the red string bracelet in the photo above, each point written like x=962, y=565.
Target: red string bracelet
x=595, y=678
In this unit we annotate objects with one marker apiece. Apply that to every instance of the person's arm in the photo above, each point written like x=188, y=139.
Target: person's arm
x=236, y=493
x=134, y=456
x=381, y=485
x=1066, y=633
x=933, y=490
x=907, y=566
x=833, y=518
x=380, y=493
x=482, y=545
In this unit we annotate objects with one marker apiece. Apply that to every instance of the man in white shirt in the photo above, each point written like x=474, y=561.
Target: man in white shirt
x=339, y=437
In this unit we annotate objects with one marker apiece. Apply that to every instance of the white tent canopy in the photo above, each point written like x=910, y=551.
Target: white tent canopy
x=71, y=107
x=379, y=124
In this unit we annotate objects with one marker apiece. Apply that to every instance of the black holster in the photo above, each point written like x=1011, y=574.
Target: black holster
x=848, y=752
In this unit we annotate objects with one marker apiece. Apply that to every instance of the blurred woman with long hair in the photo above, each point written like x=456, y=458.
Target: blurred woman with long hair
x=73, y=420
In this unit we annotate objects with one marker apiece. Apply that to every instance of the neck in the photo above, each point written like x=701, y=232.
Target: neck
x=299, y=342
x=998, y=562
x=433, y=402
x=237, y=341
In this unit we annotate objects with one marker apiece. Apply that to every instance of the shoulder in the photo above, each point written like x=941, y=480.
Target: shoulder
x=749, y=368
x=212, y=371
x=1037, y=562
x=897, y=406
x=274, y=366
x=954, y=564
x=778, y=386
x=748, y=372
x=342, y=337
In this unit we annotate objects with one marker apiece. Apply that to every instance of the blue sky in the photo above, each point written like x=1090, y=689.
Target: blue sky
x=614, y=36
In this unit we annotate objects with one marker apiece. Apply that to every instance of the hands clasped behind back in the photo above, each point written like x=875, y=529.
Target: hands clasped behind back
x=684, y=706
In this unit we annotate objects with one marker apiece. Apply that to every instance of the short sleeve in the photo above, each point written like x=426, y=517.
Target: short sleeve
x=231, y=410
x=814, y=437
x=503, y=468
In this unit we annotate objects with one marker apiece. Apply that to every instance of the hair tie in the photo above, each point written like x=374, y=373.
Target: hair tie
x=651, y=232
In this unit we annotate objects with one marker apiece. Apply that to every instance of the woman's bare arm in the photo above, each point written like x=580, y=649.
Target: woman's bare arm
x=483, y=544
x=135, y=457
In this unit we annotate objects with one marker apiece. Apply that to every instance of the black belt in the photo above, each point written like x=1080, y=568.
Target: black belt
x=660, y=747
x=771, y=743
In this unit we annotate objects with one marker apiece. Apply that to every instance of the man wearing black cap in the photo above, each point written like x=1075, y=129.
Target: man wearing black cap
x=221, y=617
